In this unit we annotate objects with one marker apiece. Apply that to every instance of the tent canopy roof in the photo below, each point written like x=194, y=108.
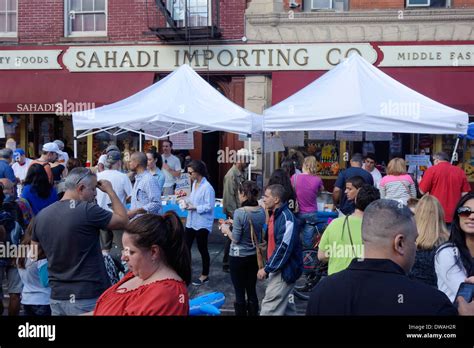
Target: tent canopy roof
x=179, y=102
x=356, y=96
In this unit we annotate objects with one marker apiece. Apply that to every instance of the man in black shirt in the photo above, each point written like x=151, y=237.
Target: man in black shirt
x=338, y=194
x=68, y=233
x=378, y=284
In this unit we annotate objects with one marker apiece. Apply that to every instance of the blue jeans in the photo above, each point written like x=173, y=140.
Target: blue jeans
x=37, y=310
x=76, y=307
x=308, y=223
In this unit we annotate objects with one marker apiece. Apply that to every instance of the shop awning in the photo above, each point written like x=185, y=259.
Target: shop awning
x=49, y=92
x=356, y=96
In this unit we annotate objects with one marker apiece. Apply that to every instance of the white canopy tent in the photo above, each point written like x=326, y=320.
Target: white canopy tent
x=356, y=96
x=182, y=101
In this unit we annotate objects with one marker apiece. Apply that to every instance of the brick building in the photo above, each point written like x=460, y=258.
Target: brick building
x=427, y=45
x=36, y=71
x=63, y=55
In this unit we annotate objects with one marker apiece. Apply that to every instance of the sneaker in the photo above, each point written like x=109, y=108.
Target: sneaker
x=199, y=282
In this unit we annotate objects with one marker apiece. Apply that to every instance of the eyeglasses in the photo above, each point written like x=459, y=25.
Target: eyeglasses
x=83, y=177
x=464, y=212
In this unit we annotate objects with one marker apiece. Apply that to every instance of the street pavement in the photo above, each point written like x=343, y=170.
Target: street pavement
x=218, y=280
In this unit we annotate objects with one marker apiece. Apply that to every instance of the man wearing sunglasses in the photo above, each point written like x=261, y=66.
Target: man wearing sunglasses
x=446, y=182
x=68, y=232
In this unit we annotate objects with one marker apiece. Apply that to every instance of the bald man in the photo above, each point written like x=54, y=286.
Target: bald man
x=378, y=284
x=146, y=192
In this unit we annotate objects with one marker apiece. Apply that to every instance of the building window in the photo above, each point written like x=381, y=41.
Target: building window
x=8, y=18
x=197, y=14
x=86, y=18
x=426, y=3
x=318, y=5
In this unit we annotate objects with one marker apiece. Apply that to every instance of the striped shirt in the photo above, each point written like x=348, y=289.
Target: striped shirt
x=397, y=187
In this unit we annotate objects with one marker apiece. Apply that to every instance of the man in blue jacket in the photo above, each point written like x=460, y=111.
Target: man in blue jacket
x=285, y=261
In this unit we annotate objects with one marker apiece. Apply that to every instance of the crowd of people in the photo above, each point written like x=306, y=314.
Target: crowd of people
x=97, y=241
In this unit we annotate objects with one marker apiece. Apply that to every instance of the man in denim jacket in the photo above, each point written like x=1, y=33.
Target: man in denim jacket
x=285, y=261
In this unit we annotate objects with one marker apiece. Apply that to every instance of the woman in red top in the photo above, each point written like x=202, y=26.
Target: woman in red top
x=160, y=268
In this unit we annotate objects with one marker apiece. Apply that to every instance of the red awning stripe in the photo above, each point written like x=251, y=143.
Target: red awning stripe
x=44, y=92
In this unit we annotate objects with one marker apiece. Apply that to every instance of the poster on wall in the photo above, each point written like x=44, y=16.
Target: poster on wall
x=321, y=135
x=291, y=139
x=255, y=137
x=183, y=185
x=183, y=141
x=2, y=129
x=273, y=143
x=349, y=136
x=379, y=136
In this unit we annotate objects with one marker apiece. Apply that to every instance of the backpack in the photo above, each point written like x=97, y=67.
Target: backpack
x=14, y=232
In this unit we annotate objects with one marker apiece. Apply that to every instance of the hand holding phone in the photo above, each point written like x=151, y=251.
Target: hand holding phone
x=466, y=290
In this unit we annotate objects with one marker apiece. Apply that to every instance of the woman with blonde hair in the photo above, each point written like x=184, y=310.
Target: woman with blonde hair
x=397, y=185
x=432, y=232
x=306, y=186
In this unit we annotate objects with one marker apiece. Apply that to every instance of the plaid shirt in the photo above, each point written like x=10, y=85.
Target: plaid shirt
x=146, y=193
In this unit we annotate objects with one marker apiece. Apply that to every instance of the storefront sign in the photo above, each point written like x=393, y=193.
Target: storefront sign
x=215, y=58
x=433, y=55
x=271, y=57
x=292, y=138
x=29, y=60
x=417, y=160
x=349, y=136
x=372, y=136
x=321, y=135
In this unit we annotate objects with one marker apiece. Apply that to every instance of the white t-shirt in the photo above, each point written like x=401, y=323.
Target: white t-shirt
x=375, y=175
x=21, y=170
x=121, y=185
x=450, y=275
x=33, y=292
x=175, y=164
x=63, y=157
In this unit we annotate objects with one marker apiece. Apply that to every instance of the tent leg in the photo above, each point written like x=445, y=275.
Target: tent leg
x=263, y=159
x=455, y=149
x=140, y=146
x=249, y=137
x=75, y=144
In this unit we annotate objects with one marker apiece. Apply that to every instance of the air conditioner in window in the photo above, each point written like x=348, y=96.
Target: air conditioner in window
x=321, y=4
x=414, y=3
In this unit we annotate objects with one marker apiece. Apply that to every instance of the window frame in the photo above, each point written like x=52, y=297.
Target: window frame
x=10, y=34
x=331, y=6
x=68, y=32
x=169, y=6
x=418, y=5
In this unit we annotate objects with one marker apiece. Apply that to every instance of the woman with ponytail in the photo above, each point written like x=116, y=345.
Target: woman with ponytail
x=160, y=269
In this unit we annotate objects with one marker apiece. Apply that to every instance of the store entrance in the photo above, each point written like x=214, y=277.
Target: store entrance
x=210, y=147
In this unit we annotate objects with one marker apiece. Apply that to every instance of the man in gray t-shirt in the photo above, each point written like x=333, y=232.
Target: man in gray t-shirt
x=68, y=234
